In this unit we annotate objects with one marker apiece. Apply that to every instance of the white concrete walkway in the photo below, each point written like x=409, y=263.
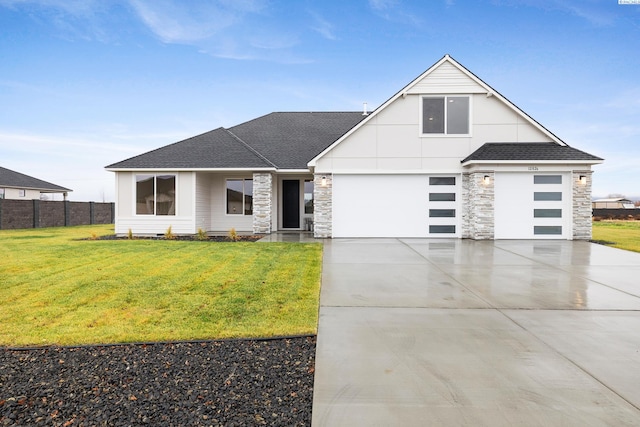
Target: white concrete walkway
x=417, y=332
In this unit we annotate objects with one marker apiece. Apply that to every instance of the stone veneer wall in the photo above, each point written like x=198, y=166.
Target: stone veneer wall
x=322, y=206
x=481, y=206
x=262, y=196
x=465, y=221
x=581, y=206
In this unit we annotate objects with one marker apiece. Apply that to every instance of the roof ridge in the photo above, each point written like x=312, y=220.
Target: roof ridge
x=253, y=150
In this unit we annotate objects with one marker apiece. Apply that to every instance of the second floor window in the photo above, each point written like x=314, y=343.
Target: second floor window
x=445, y=115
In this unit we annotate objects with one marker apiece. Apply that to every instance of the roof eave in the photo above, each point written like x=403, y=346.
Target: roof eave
x=156, y=169
x=529, y=162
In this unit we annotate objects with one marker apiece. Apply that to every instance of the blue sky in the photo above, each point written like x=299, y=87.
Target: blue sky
x=85, y=83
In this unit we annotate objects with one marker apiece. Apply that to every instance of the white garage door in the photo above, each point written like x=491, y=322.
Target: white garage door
x=395, y=206
x=532, y=205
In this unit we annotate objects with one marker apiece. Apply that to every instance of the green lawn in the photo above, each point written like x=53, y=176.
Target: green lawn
x=621, y=234
x=58, y=289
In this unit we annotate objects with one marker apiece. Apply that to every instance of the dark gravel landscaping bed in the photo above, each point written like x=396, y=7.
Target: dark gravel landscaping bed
x=217, y=383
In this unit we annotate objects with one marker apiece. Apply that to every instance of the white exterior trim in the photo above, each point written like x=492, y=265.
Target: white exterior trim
x=532, y=162
x=188, y=169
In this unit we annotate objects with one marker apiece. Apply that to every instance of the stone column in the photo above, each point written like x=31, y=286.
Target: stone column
x=262, y=196
x=465, y=218
x=582, y=211
x=481, y=205
x=322, y=205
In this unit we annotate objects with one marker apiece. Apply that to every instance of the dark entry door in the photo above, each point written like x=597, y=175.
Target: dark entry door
x=290, y=203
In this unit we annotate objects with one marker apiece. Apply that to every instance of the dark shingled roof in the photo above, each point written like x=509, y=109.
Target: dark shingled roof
x=9, y=178
x=214, y=149
x=276, y=140
x=534, y=151
x=291, y=140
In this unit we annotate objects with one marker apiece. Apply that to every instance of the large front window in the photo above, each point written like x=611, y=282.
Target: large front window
x=445, y=115
x=155, y=194
x=240, y=196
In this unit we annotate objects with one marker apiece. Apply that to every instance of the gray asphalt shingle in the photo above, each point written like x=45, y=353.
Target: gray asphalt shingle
x=9, y=178
x=213, y=149
x=276, y=140
x=291, y=140
x=534, y=151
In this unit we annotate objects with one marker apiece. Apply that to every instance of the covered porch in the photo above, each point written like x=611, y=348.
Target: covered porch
x=254, y=202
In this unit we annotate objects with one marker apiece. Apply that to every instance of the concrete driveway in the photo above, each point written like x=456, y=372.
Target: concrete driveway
x=417, y=332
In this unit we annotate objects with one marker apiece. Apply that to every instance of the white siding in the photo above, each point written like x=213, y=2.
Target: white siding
x=446, y=79
x=203, y=201
x=125, y=188
x=391, y=141
x=220, y=221
x=185, y=191
x=14, y=193
x=126, y=219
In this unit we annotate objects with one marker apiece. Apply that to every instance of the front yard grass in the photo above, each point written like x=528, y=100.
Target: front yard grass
x=619, y=234
x=58, y=289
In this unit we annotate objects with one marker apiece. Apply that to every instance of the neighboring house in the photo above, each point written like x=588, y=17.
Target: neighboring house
x=446, y=156
x=613, y=203
x=18, y=186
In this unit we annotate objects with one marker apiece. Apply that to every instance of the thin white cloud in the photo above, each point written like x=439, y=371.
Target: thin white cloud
x=233, y=29
x=597, y=13
x=175, y=22
x=381, y=5
x=323, y=27
x=222, y=28
x=394, y=11
x=73, y=19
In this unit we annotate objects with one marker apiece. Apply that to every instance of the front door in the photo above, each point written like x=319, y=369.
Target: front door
x=290, y=203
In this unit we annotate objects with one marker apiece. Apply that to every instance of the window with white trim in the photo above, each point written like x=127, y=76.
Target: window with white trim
x=22, y=193
x=239, y=196
x=155, y=194
x=1, y=193
x=445, y=115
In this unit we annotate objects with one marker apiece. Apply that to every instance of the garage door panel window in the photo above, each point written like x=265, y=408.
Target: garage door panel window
x=445, y=115
x=442, y=213
x=442, y=197
x=547, y=213
x=554, y=196
x=547, y=230
x=442, y=180
x=442, y=229
x=547, y=179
